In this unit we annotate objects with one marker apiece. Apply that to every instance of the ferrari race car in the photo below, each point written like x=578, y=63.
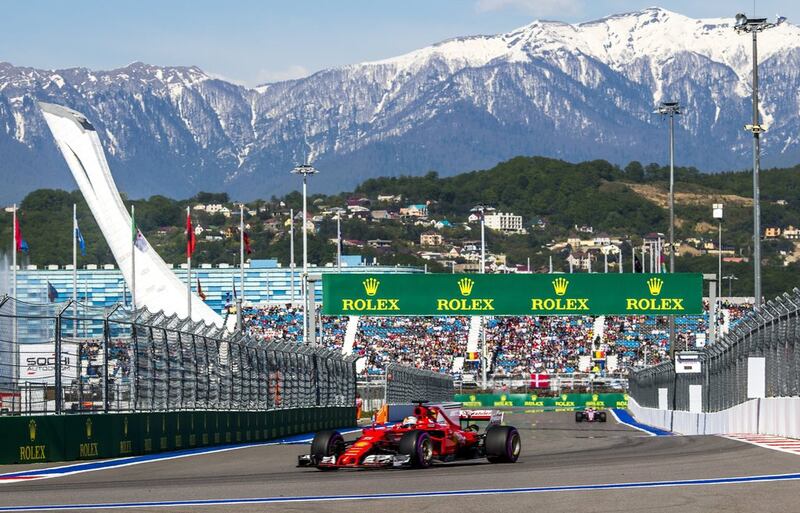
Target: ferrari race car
x=432, y=433
x=590, y=415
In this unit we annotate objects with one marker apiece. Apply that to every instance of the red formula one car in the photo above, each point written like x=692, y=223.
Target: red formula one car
x=590, y=415
x=432, y=433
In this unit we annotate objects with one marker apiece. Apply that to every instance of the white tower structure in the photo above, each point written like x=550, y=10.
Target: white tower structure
x=157, y=288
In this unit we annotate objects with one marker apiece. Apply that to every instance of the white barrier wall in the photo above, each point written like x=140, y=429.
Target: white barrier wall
x=778, y=416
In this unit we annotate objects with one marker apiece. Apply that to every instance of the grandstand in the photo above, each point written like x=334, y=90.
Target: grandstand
x=516, y=346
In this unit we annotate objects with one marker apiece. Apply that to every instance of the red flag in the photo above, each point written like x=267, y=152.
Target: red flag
x=191, y=239
x=246, y=238
x=200, y=290
x=540, y=380
x=18, y=233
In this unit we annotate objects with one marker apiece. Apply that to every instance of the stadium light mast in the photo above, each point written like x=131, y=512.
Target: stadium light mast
x=671, y=109
x=305, y=170
x=717, y=213
x=754, y=26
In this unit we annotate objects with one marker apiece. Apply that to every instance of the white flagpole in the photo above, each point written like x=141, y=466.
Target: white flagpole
x=188, y=273
x=135, y=234
x=240, y=299
x=17, y=369
x=620, y=260
x=14, y=253
x=291, y=250
x=75, y=270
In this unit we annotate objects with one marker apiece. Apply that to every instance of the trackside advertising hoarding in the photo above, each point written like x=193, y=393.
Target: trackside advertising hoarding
x=563, y=402
x=512, y=294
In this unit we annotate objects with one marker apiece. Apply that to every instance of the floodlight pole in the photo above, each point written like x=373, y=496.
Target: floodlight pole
x=305, y=170
x=754, y=26
x=671, y=109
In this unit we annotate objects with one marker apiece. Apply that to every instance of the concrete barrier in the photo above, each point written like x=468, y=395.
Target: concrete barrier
x=779, y=416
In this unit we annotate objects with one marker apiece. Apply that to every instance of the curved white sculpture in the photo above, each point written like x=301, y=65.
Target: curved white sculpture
x=157, y=288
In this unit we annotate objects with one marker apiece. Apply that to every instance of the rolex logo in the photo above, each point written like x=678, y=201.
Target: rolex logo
x=654, y=285
x=560, y=286
x=371, y=286
x=32, y=430
x=125, y=426
x=465, y=286
x=88, y=428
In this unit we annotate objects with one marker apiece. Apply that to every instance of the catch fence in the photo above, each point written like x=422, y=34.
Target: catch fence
x=407, y=384
x=112, y=359
x=770, y=332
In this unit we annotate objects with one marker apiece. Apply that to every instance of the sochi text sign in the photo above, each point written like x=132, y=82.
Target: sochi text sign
x=512, y=294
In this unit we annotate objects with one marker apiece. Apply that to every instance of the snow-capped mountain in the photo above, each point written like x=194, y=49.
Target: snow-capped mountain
x=575, y=92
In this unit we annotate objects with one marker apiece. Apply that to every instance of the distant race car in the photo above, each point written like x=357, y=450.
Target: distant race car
x=590, y=415
x=433, y=433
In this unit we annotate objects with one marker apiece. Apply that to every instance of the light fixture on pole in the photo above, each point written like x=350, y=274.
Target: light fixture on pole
x=305, y=170
x=730, y=278
x=671, y=109
x=754, y=26
x=717, y=213
x=339, y=242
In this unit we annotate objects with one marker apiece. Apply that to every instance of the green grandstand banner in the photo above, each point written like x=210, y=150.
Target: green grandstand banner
x=563, y=402
x=512, y=294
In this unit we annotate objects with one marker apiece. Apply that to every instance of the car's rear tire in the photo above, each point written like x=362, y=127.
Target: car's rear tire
x=327, y=443
x=602, y=416
x=578, y=416
x=503, y=444
x=419, y=446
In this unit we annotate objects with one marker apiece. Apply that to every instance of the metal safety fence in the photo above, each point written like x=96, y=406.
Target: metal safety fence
x=409, y=384
x=771, y=332
x=62, y=358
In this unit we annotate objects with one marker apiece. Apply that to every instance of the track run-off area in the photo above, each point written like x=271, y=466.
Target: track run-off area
x=565, y=466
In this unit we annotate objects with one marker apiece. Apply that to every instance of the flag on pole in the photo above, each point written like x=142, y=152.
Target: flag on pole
x=138, y=239
x=52, y=293
x=191, y=239
x=246, y=238
x=200, y=290
x=79, y=238
x=233, y=281
x=22, y=244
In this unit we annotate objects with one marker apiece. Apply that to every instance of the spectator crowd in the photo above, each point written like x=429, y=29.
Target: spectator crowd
x=516, y=345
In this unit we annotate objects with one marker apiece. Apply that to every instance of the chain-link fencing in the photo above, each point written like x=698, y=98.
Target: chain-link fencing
x=408, y=384
x=771, y=331
x=62, y=358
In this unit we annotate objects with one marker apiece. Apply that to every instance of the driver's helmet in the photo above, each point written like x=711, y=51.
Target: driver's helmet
x=410, y=421
x=589, y=409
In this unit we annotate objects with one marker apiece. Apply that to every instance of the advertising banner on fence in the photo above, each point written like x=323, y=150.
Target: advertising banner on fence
x=38, y=363
x=512, y=294
x=563, y=402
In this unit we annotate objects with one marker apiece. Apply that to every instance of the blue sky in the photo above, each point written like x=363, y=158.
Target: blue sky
x=252, y=42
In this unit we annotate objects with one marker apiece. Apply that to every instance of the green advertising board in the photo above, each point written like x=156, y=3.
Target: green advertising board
x=512, y=294
x=563, y=402
x=41, y=438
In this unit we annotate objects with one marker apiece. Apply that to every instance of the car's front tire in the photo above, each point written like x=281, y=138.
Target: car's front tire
x=419, y=446
x=602, y=416
x=503, y=444
x=327, y=443
x=578, y=416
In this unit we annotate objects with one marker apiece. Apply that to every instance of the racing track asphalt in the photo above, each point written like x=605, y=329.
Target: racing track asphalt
x=556, y=451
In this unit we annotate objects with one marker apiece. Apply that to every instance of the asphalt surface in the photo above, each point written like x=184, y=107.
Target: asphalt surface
x=556, y=452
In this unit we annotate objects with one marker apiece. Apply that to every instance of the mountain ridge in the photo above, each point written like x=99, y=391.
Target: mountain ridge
x=571, y=91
